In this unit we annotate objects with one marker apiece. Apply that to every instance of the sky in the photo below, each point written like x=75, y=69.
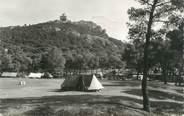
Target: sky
x=110, y=14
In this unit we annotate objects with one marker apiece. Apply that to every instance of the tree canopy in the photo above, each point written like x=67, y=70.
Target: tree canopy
x=142, y=27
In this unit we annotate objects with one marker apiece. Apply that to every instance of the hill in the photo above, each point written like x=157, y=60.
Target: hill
x=82, y=40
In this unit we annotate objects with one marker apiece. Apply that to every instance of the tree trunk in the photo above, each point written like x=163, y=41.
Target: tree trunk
x=179, y=80
x=118, y=71
x=164, y=75
x=137, y=75
x=146, y=103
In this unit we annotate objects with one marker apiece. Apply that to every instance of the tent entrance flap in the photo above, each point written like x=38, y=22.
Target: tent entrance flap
x=80, y=84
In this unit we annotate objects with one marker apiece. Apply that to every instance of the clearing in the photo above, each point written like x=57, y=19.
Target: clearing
x=42, y=97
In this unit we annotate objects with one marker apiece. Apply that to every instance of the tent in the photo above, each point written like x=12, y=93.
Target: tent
x=82, y=83
x=47, y=75
x=35, y=75
x=9, y=74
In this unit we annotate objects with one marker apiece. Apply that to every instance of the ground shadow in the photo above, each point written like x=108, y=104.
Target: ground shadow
x=49, y=104
x=55, y=90
x=123, y=83
x=156, y=94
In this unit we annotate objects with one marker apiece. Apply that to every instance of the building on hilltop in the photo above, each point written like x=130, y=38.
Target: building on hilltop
x=63, y=18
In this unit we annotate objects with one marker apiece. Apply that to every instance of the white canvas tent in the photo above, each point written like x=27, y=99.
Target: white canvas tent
x=82, y=83
x=9, y=74
x=35, y=75
x=95, y=84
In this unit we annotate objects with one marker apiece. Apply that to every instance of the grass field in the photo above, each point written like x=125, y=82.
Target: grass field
x=41, y=97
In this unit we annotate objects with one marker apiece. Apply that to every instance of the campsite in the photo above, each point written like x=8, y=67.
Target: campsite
x=92, y=58
x=44, y=97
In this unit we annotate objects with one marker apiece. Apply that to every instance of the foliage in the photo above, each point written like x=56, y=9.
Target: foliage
x=141, y=27
x=53, y=60
x=82, y=44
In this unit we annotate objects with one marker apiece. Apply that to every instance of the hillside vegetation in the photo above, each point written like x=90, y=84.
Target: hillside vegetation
x=82, y=44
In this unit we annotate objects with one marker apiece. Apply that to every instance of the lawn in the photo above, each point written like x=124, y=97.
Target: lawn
x=42, y=97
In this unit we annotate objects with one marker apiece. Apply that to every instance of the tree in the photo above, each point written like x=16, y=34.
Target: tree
x=79, y=62
x=176, y=38
x=164, y=58
x=20, y=60
x=93, y=62
x=69, y=60
x=115, y=62
x=104, y=62
x=53, y=61
x=152, y=11
x=1, y=55
x=133, y=56
x=6, y=63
